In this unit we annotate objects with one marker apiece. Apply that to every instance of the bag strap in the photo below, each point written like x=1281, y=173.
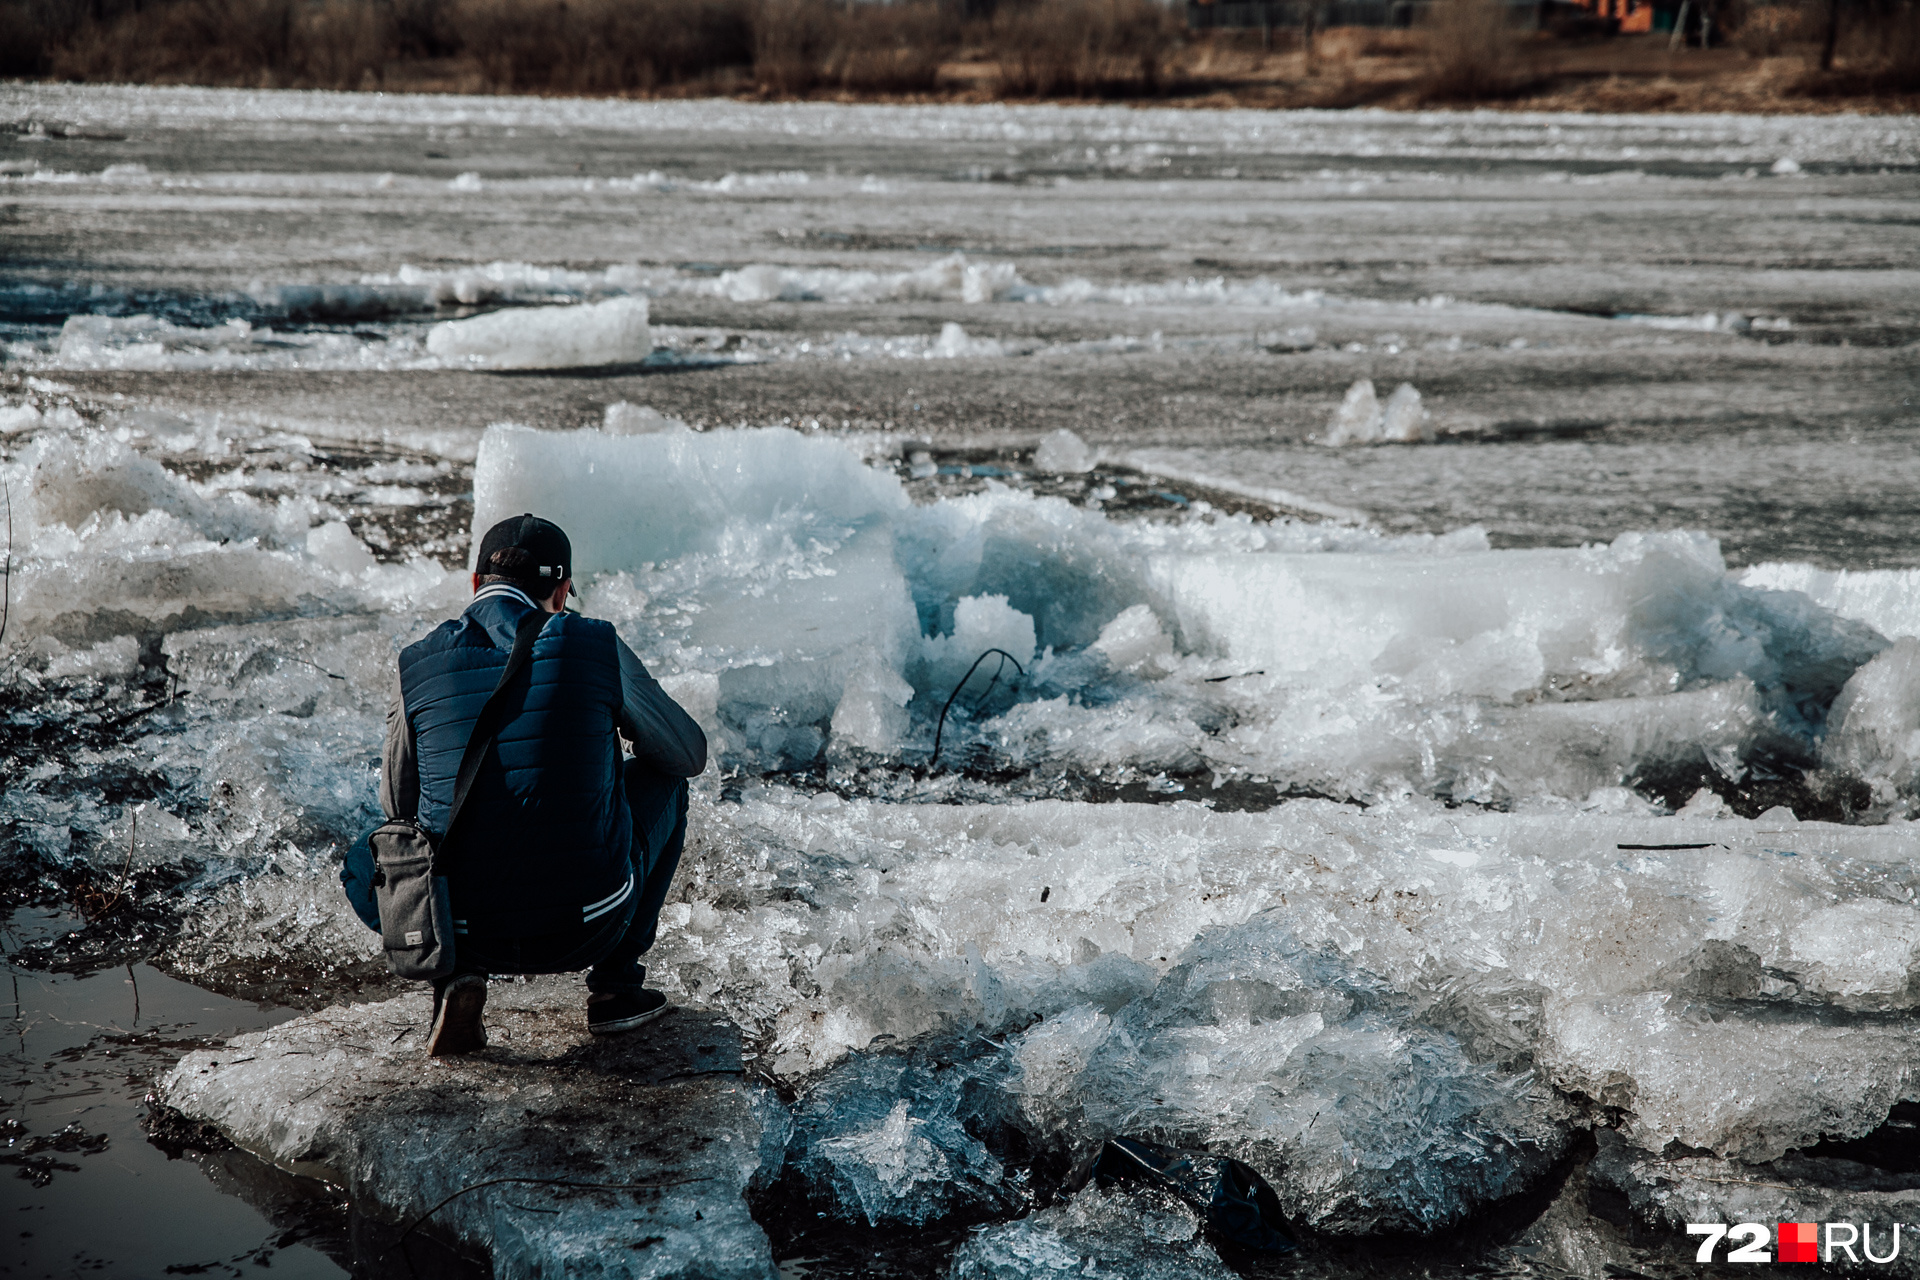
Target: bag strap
x=486, y=727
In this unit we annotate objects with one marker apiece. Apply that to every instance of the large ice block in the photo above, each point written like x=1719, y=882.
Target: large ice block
x=1643, y=615
x=628, y=500
x=585, y=335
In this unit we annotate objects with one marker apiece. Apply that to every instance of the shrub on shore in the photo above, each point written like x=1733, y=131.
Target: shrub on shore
x=1474, y=52
x=784, y=47
x=1083, y=48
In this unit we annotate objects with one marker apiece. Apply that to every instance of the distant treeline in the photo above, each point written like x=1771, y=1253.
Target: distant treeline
x=1032, y=47
x=1464, y=50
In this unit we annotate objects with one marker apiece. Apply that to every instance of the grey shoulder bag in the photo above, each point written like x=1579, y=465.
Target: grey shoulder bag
x=410, y=866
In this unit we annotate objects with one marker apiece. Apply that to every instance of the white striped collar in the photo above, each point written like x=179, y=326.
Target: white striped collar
x=493, y=589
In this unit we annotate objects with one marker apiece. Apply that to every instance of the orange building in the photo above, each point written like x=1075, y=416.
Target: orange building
x=1632, y=15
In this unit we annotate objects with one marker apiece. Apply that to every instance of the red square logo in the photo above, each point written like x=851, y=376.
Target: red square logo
x=1799, y=1242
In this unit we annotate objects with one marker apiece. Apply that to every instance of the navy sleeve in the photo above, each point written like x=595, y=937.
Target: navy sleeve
x=663, y=736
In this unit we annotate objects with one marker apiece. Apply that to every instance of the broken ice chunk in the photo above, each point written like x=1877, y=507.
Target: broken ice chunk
x=1405, y=421
x=581, y=336
x=1863, y=951
x=1646, y=610
x=1888, y=600
x=631, y=500
x=884, y=1138
x=1746, y=1088
x=663, y=1112
x=115, y=659
x=625, y=419
x=872, y=713
x=1142, y=1235
x=1313, y=1071
x=1063, y=452
x=335, y=547
x=954, y=343
x=1359, y=418
x=1857, y=1204
x=1705, y=803
x=1873, y=729
x=1133, y=638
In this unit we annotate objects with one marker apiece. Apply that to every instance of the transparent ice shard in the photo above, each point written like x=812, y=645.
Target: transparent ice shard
x=1746, y=1087
x=889, y=1138
x=1873, y=729
x=1142, y=1235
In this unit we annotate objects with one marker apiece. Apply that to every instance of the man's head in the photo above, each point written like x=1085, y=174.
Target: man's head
x=531, y=554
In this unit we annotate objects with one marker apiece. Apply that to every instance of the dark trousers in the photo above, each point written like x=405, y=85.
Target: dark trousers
x=610, y=948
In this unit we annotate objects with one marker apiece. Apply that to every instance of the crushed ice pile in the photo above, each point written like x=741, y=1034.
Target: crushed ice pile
x=1398, y=1013
x=817, y=615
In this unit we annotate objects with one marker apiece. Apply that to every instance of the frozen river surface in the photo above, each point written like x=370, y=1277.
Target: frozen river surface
x=1412, y=821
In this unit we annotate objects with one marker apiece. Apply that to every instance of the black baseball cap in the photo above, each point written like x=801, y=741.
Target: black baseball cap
x=542, y=539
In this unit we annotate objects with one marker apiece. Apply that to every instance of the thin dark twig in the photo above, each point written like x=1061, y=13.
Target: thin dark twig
x=941, y=727
x=316, y=666
x=126, y=870
x=991, y=685
x=6, y=573
x=537, y=1182
x=126, y=875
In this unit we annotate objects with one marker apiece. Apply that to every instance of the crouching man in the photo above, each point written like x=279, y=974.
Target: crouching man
x=565, y=851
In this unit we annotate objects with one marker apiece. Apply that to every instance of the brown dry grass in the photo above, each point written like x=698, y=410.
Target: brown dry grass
x=596, y=46
x=263, y=42
x=802, y=45
x=1083, y=48
x=1474, y=53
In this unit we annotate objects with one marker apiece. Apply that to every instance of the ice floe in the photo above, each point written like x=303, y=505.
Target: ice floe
x=1399, y=1014
x=646, y=1145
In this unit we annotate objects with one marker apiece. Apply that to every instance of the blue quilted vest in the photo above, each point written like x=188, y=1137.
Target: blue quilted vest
x=547, y=835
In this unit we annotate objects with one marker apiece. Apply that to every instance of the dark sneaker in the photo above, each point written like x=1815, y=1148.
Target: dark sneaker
x=608, y=1014
x=456, y=1017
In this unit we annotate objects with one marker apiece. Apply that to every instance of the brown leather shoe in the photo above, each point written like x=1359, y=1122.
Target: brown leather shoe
x=456, y=1017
